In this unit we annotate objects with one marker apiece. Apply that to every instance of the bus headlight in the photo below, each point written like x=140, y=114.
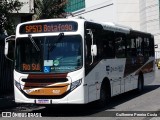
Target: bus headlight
x=17, y=84
x=75, y=84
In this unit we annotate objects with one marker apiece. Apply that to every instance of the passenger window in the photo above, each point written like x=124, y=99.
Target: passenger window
x=108, y=44
x=146, y=47
x=88, y=43
x=120, y=45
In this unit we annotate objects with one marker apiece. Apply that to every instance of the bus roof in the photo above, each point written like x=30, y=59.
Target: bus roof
x=106, y=25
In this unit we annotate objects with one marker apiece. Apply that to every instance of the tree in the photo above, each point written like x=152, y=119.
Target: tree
x=7, y=8
x=45, y=9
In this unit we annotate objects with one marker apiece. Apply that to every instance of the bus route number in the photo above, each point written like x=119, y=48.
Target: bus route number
x=33, y=67
x=33, y=28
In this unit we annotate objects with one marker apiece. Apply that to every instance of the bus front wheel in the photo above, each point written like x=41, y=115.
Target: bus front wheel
x=104, y=96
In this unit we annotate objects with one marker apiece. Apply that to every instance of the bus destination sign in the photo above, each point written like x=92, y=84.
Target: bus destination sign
x=48, y=27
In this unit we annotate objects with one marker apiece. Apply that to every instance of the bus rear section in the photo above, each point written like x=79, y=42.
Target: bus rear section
x=124, y=60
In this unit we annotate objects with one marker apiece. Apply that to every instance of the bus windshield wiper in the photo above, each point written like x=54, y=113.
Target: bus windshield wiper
x=60, y=36
x=33, y=42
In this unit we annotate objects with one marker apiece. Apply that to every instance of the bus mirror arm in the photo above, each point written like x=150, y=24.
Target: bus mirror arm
x=93, y=47
x=91, y=34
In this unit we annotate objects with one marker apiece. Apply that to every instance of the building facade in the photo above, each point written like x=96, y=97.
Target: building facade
x=150, y=20
x=118, y=11
x=143, y=15
x=26, y=12
x=75, y=5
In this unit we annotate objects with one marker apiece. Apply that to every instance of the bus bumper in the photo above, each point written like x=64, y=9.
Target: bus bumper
x=77, y=96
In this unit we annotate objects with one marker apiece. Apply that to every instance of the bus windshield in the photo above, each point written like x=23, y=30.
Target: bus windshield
x=56, y=54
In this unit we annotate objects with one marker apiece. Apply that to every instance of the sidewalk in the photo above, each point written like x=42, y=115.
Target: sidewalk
x=7, y=102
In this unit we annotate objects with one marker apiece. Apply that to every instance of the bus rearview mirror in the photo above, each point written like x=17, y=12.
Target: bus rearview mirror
x=9, y=47
x=94, y=50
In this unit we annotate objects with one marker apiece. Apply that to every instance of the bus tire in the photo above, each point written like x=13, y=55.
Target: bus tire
x=104, y=95
x=140, y=85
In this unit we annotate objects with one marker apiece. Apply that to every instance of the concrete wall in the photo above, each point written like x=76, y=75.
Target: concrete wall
x=125, y=12
x=128, y=13
x=100, y=10
x=150, y=20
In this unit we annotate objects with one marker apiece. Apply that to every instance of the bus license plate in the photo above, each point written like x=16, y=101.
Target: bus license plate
x=42, y=101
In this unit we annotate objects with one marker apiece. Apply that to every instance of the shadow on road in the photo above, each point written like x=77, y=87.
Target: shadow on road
x=90, y=109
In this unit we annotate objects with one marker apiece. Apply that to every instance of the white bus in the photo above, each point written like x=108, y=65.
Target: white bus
x=75, y=61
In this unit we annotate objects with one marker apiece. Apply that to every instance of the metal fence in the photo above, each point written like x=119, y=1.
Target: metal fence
x=6, y=73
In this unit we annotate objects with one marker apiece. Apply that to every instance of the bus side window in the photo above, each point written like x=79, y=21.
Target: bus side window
x=151, y=44
x=88, y=43
x=130, y=46
x=108, y=49
x=139, y=43
x=108, y=45
x=146, y=47
x=120, y=45
x=97, y=39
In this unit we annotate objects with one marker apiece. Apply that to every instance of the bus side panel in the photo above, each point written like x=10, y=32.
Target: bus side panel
x=150, y=76
x=113, y=69
x=148, y=70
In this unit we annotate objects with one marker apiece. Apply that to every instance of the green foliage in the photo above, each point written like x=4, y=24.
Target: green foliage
x=7, y=7
x=46, y=9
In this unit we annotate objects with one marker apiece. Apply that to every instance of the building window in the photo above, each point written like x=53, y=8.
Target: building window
x=74, y=5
